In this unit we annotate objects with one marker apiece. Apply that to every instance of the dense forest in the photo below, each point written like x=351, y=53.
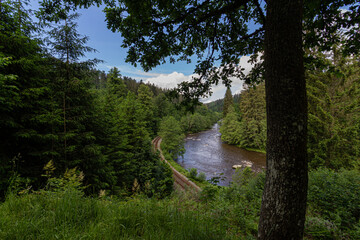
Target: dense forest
x=60, y=112
x=218, y=105
x=334, y=116
x=76, y=155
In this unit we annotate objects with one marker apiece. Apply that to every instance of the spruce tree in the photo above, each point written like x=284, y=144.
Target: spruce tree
x=172, y=136
x=334, y=114
x=76, y=144
x=115, y=84
x=228, y=101
x=253, y=118
x=25, y=107
x=145, y=97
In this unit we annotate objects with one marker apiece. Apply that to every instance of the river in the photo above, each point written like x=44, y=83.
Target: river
x=207, y=153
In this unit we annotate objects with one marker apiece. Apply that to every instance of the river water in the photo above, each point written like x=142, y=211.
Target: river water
x=206, y=153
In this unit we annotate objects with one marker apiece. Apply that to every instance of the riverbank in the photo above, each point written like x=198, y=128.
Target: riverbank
x=199, y=182
x=252, y=149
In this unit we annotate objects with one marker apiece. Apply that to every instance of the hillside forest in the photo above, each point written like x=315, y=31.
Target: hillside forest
x=60, y=112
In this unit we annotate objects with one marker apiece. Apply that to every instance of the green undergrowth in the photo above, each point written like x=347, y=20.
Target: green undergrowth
x=333, y=205
x=62, y=211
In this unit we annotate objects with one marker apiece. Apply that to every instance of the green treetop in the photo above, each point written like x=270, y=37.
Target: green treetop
x=228, y=101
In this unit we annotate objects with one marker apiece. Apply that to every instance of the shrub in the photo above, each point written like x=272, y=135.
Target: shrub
x=335, y=196
x=201, y=177
x=319, y=228
x=193, y=173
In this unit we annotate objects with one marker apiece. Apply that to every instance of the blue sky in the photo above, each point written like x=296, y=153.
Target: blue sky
x=108, y=44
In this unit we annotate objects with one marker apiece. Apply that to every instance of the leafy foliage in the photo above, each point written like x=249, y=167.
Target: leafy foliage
x=334, y=204
x=172, y=136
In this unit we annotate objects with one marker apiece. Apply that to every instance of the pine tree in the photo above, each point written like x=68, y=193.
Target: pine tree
x=334, y=114
x=146, y=103
x=23, y=123
x=228, y=101
x=136, y=159
x=74, y=103
x=116, y=86
x=253, y=118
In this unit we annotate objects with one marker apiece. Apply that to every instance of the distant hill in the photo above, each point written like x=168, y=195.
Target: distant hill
x=217, y=105
x=131, y=84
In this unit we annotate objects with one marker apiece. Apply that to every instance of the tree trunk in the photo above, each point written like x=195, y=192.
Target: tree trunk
x=285, y=193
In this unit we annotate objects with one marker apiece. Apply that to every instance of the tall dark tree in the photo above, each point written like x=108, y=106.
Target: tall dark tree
x=24, y=95
x=334, y=111
x=284, y=199
x=228, y=101
x=76, y=145
x=253, y=117
x=116, y=86
x=145, y=99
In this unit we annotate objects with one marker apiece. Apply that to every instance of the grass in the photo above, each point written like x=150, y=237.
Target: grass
x=63, y=212
x=69, y=215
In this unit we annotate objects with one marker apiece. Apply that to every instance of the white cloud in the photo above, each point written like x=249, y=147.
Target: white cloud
x=173, y=79
x=219, y=90
x=245, y=64
x=169, y=80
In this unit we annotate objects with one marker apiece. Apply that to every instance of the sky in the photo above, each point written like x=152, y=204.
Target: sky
x=108, y=45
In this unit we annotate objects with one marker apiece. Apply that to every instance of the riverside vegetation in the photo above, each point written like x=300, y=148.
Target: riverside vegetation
x=76, y=156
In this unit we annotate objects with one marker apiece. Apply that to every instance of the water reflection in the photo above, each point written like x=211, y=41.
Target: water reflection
x=206, y=153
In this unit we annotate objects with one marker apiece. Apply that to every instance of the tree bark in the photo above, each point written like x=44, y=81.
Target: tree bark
x=285, y=193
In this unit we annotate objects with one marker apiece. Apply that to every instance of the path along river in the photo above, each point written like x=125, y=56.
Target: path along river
x=206, y=153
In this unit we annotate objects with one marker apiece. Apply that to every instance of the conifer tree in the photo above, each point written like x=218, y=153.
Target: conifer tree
x=76, y=144
x=334, y=139
x=134, y=159
x=116, y=86
x=145, y=99
x=228, y=101
x=253, y=118
x=23, y=122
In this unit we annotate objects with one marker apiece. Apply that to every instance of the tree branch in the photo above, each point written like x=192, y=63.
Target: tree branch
x=260, y=11
x=216, y=13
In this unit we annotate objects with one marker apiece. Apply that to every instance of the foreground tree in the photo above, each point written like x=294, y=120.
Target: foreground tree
x=284, y=198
